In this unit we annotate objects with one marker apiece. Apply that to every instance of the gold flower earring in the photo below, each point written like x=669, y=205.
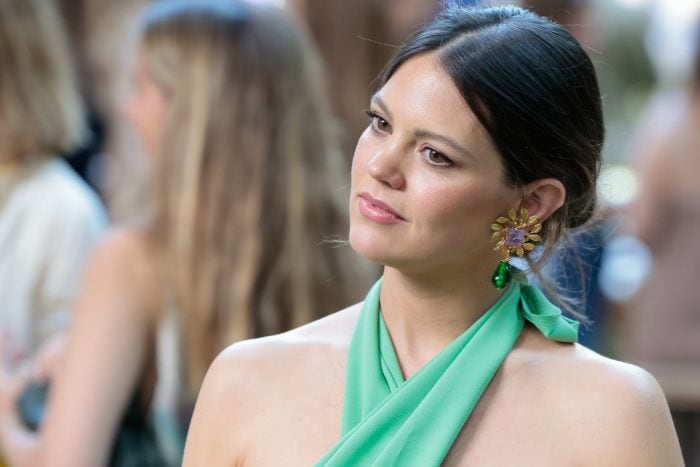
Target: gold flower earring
x=513, y=234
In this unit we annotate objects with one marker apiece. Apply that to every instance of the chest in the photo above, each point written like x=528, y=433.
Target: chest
x=506, y=428
x=299, y=423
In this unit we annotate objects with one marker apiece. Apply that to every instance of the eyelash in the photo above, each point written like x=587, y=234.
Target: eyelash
x=447, y=162
x=375, y=118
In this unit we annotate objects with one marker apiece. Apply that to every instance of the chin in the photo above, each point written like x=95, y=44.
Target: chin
x=384, y=250
x=367, y=245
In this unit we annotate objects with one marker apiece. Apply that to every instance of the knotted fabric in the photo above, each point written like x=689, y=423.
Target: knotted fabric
x=389, y=421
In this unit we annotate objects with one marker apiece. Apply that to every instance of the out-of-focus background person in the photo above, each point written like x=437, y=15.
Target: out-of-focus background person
x=664, y=316
x=102, y=34
x=660, y=323
x=228, y=101
x=49, y=218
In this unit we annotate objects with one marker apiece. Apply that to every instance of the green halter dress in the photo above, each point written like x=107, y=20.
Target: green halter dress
x=389, y=421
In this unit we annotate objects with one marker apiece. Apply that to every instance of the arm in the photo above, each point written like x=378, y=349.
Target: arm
x=106, y=349
x=67, y=240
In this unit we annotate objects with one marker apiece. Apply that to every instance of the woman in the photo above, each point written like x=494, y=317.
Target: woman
x=49, y=218
x=479, y=115
x=227, y=100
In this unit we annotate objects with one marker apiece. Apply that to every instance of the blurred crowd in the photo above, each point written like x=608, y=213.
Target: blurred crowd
x=174, y=175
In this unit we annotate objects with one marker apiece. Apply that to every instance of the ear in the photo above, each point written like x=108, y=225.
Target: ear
x=543, y=197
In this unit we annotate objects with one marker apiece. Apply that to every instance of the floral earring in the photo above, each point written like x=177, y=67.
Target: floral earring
x=513, y=234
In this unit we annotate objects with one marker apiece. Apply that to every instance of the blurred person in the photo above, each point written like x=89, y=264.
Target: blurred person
x=103, y=32
x=666, y=217
x=228, y=102
x=660, y=326
x=486, y=127
x=351, y=38
x=49, y=218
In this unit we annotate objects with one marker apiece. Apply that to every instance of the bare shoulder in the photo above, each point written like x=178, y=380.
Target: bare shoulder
x=291, y=354
x=125, y=245
x=125, y=262
x=245, y=383
x=611, y=412
x=316, y=343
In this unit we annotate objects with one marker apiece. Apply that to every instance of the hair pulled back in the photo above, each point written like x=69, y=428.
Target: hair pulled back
x=534, y=90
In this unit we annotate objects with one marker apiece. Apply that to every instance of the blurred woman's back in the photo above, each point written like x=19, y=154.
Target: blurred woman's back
x=249, y=182
x=247, y=187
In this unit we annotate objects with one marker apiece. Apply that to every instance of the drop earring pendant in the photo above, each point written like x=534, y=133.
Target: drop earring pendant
x=513, y=235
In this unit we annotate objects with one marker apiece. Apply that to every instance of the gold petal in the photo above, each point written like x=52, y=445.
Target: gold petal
x=496, y=227
x=534, y=238
x=533, y=220
x=497, y=235
x=503, y=220
x=497, y=247
x=519, y=251
x=511, y=214
x=528, y=246
x=523, y=214
x=536, y=228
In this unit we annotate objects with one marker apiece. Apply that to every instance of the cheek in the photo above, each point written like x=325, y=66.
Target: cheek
x=362, y=155
x=146, y=113
x=442, y=207
x=130, y=110
x=471, y=206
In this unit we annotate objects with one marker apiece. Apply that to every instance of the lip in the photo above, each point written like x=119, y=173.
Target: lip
x=378, y=211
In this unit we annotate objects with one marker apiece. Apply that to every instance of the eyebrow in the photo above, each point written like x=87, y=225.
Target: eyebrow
x=422, y=133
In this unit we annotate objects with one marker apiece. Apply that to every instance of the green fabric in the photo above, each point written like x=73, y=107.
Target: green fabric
x=389, y=421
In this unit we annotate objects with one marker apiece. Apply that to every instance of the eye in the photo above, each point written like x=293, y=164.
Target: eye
x=436, y=158
x=378, y=123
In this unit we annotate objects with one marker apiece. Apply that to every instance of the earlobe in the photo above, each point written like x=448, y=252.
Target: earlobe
x=543, y=197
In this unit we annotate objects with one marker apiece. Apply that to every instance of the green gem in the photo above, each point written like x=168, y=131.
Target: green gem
x=501, y=276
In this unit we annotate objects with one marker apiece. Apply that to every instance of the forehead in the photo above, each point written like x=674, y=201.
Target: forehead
x=420, y=93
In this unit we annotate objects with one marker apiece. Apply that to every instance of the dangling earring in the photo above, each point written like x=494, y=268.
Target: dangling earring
x=513, y=235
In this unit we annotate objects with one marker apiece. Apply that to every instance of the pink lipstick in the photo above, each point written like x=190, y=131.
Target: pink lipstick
x=378, y=211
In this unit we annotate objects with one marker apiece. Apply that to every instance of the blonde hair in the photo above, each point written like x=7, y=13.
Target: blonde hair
x=41, y=111
x=248, y=180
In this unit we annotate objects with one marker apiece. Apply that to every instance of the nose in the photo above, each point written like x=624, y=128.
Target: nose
x=385, y=167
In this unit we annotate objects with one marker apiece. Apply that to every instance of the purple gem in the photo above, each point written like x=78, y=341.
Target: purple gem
x=515, y=237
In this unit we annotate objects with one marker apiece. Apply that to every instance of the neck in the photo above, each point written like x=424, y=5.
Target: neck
x=425, y=313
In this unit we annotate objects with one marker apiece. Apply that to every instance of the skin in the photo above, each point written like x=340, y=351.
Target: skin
x=108, y=353
x=107, y=357
x=146, y=108
x=549, y=404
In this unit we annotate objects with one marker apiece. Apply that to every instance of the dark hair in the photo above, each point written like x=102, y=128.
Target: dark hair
x=534, y=90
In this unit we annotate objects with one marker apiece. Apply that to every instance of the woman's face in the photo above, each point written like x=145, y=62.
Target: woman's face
x=426, y=179
x=145, y=108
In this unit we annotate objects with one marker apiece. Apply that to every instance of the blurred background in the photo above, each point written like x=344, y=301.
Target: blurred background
x=638, y=266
